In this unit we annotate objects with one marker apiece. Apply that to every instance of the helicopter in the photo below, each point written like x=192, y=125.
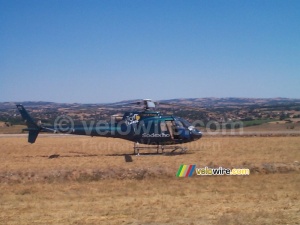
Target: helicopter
x=146, y=127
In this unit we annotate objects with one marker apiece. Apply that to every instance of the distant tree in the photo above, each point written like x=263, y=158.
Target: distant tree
x=282, y=116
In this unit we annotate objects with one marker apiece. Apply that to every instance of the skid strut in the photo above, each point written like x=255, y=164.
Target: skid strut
x=162, y=148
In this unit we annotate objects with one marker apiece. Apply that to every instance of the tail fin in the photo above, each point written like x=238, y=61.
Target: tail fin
x=32, y=127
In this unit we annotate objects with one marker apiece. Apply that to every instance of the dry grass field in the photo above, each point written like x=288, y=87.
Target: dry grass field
x=16, y=129
x=89, y=182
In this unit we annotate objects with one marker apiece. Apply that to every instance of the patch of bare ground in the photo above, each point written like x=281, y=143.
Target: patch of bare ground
x=15, y=129
x=89, y=182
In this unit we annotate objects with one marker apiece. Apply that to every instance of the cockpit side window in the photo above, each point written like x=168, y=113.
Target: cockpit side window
x=179, y=123
x=184, y=123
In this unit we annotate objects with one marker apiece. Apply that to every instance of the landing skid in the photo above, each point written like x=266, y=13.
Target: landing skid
x=162, y=148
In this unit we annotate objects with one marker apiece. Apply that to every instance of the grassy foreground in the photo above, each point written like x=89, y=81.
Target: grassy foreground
x=90, y=183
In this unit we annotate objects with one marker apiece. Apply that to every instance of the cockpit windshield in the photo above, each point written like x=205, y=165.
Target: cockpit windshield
x=180, y=122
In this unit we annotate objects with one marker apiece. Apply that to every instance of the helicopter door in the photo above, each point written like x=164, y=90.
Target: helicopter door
x=172, y=129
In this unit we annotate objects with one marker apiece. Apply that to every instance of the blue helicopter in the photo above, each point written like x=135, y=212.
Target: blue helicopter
x=146, y=127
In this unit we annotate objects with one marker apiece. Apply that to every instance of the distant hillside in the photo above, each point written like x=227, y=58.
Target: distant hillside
x=214, y=102
x=198, y=102
x=255, y=110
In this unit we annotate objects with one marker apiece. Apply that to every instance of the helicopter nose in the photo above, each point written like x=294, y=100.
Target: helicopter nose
x=196, y=134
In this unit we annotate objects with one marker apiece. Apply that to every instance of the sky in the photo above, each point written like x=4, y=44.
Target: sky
x=92, y=51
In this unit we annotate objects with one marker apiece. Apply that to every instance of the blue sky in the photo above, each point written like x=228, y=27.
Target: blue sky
x=106, y=51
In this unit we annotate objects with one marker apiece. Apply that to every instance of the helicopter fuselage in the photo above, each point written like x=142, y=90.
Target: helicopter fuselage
x=142, y=127
x=147, y=127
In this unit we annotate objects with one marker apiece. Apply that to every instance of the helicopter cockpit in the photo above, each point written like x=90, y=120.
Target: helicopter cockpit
x=182, y=129
x=182, y=123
